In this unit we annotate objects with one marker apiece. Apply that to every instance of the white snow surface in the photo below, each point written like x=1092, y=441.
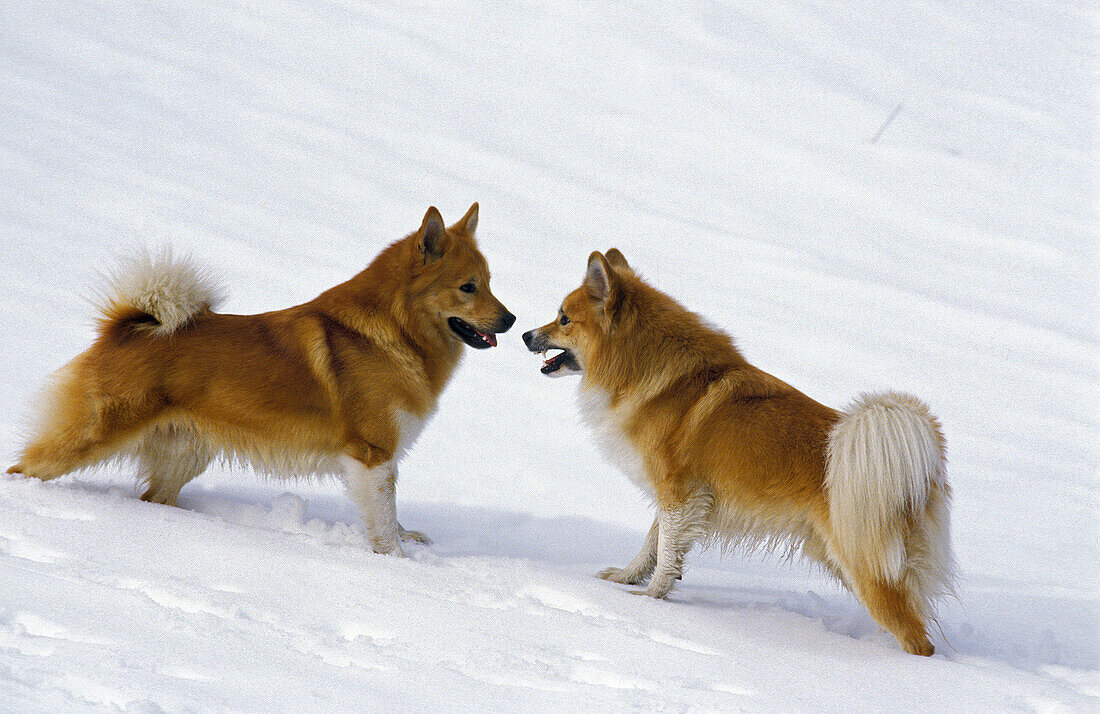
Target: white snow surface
x=729, y=150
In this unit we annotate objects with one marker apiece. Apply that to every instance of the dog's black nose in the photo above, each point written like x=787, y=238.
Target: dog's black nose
x=507, y=321
x=527, y=338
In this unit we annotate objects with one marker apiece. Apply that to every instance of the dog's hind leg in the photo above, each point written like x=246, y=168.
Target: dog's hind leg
x=896, y=608
x=679, y=526
x=169, y=457
x=813, y=547
x=78, y=428
x=639, y=569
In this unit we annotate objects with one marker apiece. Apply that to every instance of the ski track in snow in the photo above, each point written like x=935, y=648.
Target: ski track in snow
x=726, y=149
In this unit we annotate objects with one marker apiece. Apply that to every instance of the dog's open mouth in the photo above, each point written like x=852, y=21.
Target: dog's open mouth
x=564, y=359
x=471, y=335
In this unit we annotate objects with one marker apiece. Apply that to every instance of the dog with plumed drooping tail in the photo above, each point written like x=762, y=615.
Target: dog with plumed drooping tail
x=730, y=453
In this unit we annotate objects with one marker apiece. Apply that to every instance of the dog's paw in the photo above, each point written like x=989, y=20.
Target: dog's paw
x=393, y=549
x=613, y=574
x=920, y=647
x=414, y=536
x=650, y=592
x=618, y=575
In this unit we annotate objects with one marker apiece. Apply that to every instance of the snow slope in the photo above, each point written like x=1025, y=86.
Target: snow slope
x=729, y=150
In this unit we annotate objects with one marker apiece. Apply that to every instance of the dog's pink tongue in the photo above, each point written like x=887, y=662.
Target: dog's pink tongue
x=489, y=337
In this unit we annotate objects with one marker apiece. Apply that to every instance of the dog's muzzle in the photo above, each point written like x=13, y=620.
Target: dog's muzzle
x=557, y=366
x=480, y=339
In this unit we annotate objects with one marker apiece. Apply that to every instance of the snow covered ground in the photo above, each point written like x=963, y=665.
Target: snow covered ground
x=729, y=150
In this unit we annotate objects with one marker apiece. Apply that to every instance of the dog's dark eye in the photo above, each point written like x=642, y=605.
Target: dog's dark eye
x=468, y=288
x=564, y=320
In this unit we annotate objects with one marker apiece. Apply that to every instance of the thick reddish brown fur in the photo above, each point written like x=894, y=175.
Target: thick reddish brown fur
x=728, y=451
x=290, y=391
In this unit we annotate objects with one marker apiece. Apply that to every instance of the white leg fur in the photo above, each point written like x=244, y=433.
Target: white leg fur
x=170, y=457
x=678, y=529
x=374, y=491
x=637, y=570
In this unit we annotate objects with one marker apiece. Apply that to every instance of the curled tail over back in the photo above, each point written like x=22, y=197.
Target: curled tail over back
x=83, y=416
x=889, y=498
x=157, y=292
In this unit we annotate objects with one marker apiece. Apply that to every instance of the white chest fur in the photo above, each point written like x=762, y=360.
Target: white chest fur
x=609, y=430
x=409, y=427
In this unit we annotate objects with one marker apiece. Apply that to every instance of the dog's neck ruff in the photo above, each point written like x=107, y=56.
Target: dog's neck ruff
x=608, y=424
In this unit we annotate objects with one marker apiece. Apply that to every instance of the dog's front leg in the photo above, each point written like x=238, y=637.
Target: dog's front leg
x=678, y=528
x=374, y=490
x=637, y=570
x=670, y=553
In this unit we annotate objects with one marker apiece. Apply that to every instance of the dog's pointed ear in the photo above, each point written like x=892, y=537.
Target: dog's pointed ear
x=468, y=223
x=600, y=281
x=431, y=239
x=616, y=260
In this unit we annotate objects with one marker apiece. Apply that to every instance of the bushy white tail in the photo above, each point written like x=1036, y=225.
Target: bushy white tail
x=888, y=494
x=169, y=289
